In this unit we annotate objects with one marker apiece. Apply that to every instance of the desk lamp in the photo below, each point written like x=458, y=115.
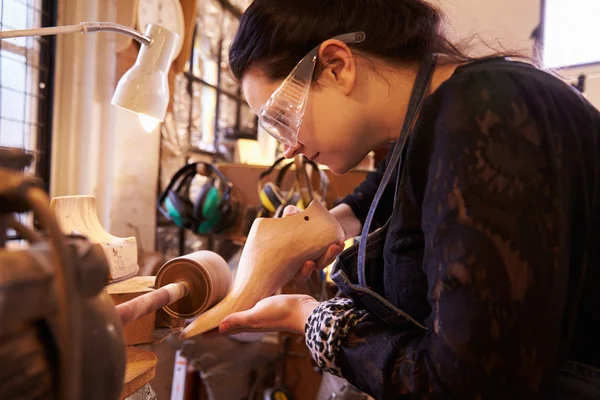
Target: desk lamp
x=144, y=89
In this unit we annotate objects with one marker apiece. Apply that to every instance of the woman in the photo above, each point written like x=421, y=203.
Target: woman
x=481, y=282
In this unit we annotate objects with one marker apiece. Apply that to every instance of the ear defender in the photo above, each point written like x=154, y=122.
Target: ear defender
x=174, y=214
x=211, y=213
x=213, y=210
x=270, y=197
x=180, y=210
x=300, y=204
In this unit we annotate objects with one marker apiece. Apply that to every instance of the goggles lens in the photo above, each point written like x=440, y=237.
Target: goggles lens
x=281, y=117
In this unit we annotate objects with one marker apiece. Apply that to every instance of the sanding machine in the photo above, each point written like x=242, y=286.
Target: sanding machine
x=61, y=337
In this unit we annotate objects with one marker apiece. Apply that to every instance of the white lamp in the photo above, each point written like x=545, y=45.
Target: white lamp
x=144, y=89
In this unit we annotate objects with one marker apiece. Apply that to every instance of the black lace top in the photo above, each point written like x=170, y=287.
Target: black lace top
x=494, y=245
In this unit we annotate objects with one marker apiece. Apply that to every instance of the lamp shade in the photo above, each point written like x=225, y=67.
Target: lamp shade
x=144, y=89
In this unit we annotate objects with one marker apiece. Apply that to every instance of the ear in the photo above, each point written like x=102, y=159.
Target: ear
x=339, y=65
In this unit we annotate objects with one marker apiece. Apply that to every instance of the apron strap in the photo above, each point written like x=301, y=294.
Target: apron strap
x=416, y=101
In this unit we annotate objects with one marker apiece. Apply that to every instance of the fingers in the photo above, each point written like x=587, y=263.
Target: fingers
x=236, y=322
x=305, y=271
x=329, y=256
x=290, y=210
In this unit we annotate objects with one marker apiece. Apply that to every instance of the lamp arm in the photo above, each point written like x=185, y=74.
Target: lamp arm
x=149, y=72
x=83, y=27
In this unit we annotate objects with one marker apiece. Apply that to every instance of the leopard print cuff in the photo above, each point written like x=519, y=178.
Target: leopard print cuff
x=326, y=328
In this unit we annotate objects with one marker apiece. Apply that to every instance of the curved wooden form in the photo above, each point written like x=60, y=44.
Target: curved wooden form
x=275, y=251
x=77, y=215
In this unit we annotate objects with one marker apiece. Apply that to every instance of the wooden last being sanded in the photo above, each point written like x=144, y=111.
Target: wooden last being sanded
x=274, y=253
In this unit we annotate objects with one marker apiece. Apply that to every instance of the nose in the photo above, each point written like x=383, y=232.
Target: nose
x=292, y=151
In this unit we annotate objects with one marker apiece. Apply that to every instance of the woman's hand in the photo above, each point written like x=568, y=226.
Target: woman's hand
x=327, y=258
x=287, y=313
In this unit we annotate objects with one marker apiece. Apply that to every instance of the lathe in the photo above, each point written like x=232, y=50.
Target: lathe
x=61, y=335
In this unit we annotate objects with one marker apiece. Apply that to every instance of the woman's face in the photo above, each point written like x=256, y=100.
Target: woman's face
x=333, y=128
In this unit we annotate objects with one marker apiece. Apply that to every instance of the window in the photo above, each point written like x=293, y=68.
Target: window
x=219, y=114
x=26, y=73
x=571, y=32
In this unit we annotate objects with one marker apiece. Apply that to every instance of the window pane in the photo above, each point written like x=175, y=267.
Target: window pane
x=19, y=75
x=25, y=70
x=11, y=133
x=12, y=99
x=13, y=105
x=571, y=32
x=12, y=70
x=15, y=16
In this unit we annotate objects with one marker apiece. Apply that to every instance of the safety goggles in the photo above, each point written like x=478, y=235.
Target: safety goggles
x=282, y=114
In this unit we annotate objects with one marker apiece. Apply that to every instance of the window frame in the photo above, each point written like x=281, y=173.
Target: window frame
x=542, y=42
x=39, y=136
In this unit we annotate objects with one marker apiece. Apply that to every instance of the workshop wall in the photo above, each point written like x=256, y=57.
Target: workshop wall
x=133, y=198
x=509, y=24
x=83, y=129
x=98, y=149
x=504, y=24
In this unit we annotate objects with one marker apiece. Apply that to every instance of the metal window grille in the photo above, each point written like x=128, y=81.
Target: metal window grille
x=26, y=82
x=26, y=87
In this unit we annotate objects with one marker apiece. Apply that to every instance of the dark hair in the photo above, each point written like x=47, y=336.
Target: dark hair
x=276, y=34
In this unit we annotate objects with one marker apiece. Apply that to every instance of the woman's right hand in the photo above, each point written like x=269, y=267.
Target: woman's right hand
x=323, y=261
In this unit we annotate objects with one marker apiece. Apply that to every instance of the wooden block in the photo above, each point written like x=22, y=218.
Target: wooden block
x=141, y=330
x=78, y=215
x=130, y=288
x=122, y=258
x=139, y=370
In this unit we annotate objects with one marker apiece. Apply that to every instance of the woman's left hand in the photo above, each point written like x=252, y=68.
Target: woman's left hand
x=274, y=314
